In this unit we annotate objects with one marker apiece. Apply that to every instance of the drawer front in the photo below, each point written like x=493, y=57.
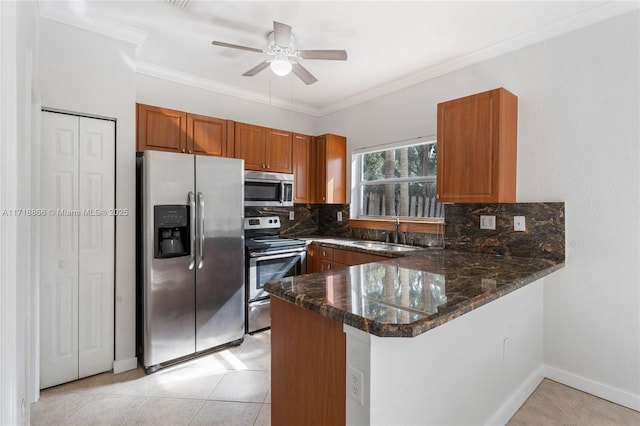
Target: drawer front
x=326, y=253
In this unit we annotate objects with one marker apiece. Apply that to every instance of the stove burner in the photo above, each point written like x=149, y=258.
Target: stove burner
x=263, y=234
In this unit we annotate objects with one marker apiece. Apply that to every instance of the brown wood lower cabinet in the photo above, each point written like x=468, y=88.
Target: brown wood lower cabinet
x=308, y=367
x=321, y=258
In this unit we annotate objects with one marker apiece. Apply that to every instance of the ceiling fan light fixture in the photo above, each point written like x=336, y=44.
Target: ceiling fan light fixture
x=281, y=66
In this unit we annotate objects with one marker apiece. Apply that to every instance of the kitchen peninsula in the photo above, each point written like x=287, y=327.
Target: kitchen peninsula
x=432, y=337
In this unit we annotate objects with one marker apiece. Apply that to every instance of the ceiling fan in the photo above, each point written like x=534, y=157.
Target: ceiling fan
x=283, y=58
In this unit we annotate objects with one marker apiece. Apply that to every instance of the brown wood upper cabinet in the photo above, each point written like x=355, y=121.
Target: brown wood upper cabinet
x=206, y=135
x=165, y=129
x=303, y=169
x=477, y=145
x=264, y=149
x=161, y=129
x=331, y=175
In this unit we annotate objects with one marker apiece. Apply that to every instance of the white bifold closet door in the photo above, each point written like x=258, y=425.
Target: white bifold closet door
x=77, y=231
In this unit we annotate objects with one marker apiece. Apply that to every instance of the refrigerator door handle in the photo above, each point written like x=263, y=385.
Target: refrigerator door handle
x=192, y=236
x=201, y=211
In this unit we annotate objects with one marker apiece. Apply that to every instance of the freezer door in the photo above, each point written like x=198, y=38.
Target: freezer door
x=169, y=284
x=220, y=251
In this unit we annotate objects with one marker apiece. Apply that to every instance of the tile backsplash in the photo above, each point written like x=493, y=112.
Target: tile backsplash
x=544, y=234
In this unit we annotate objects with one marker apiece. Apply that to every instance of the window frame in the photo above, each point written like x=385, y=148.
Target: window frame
x=358, y=184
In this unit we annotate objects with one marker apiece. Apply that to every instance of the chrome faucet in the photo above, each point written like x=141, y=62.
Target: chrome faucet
x=395, y=237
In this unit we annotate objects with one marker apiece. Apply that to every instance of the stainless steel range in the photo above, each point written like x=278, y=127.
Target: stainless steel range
x=268, y=257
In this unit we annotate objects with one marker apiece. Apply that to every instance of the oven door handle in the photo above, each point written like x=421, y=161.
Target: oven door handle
x=277, y=254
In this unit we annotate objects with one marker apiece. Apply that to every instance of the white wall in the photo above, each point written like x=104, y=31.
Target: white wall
x=460, y=373
x=164, y=93
x=88, y=73
x=18, y=69
x=579, y=133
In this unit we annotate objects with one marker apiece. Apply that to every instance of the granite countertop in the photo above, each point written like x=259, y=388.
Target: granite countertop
x=409, y=295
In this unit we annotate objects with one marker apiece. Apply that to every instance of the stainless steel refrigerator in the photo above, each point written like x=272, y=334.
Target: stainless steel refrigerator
x=191, y=285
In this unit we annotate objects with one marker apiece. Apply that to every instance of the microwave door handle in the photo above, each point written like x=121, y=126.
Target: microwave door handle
x=201, y=239
x=282, y=192
x=192, y=232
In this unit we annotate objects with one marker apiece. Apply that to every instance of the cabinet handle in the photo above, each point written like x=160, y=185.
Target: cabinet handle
x=437, y=196
x=184, y=150
x=190, y=152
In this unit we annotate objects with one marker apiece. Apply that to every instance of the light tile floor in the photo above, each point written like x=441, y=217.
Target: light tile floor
x=232, y=387
x=555, y=404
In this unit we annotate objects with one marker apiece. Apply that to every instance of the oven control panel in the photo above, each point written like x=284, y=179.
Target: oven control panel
x=262, y=222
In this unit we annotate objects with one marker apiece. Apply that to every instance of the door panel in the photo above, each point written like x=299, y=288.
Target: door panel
x=250, y=145
x=59, y=250
x=96, y=246
x=220, y=281
x=280, y=151
x=77, y=247
x=206, y=135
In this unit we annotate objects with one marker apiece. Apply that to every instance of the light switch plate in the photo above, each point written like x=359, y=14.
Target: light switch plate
x=487, y=222
x=339, y=216
x=292, y=215
x=519, y=223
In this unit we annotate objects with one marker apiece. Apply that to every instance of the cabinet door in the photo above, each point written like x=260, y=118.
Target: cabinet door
x=206, y=135
x=279, y=151
x=161, y=129
x=332, y=173
x=321, y=169
x=477, y=148
x=302, y=168
x=313, y=261
x=249, y=145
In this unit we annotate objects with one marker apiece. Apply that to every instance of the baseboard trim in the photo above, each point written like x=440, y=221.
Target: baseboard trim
x=125, y=365
x=592, y=387
x=517, y=398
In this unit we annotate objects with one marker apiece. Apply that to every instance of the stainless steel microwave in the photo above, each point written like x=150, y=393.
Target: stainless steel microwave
x=268, y=189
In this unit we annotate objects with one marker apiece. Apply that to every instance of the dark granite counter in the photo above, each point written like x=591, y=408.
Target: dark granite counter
x=409, y=295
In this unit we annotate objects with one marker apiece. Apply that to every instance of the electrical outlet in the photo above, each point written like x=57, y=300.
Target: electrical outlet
x=356, y=383
x=487, y=222
x=519, y=223
x=292, y=215
x=339, y=216
x=505, y=348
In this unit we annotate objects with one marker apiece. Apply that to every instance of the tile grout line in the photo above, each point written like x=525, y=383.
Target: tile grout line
x=136, y=410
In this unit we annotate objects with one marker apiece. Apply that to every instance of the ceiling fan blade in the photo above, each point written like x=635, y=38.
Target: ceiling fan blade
x=281, y=34
x=333, y=55
x=255, y=70
x=303, y=74
x=235, y=46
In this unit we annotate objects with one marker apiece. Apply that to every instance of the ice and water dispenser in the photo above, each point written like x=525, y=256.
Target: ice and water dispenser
x=171, y=231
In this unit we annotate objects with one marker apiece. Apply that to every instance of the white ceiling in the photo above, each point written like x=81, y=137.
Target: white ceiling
x=390, y=44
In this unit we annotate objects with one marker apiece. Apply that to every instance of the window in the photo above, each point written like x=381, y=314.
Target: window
x=397, y=181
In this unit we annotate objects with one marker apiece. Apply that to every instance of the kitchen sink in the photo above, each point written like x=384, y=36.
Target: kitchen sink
x=383, y=246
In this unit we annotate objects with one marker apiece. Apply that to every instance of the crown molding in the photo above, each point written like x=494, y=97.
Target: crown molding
x=67, y=16
x=169, y=74
x=135, y=36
